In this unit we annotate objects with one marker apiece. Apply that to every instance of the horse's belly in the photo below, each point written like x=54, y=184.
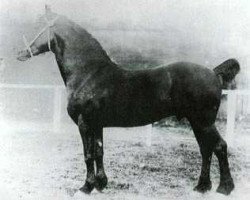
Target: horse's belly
x=138, y=116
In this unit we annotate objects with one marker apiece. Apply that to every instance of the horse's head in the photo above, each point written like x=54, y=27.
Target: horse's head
x=43, y=40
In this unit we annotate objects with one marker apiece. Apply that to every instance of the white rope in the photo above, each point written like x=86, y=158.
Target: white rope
x=48, y=26
x=48, y=32
x=27, y=45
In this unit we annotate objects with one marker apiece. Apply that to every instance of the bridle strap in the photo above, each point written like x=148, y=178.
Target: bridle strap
x=48, y=26
x=27, y=45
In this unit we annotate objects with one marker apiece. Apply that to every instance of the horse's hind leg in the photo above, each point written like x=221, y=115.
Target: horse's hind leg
x=101, y=178
x=206, y=144
x=226, y=182
x=210, y=141
x=87, y=136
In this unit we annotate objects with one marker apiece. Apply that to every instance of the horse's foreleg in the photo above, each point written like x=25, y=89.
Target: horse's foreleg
x=226, y=182
x=101, y=178
x=88, y=143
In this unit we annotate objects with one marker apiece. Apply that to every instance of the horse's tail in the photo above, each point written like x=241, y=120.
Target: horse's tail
x=226, y=72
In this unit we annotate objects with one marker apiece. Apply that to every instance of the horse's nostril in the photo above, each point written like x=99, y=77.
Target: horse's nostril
x=19, y=53
x=22, y=55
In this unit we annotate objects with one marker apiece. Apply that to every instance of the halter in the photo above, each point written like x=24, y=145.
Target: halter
x=47, y=27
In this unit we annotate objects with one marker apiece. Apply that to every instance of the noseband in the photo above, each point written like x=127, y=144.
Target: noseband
x=47, y=27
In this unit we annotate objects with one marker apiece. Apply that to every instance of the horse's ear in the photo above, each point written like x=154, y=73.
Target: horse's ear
x=47, y=9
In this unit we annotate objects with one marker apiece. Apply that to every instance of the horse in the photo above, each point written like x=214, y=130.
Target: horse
x=103, y=94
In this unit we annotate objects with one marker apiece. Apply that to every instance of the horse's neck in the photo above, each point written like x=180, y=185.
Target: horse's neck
x=78, y=52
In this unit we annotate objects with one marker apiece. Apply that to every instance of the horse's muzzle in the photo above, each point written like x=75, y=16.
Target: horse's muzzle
x=23, y=55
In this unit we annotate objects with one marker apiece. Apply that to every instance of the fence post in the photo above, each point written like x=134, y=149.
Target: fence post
x=149, y=129
x=231, y=112
x=57, y=109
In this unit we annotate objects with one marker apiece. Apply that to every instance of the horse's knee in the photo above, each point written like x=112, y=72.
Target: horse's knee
x=99, y=148
x=88, y=158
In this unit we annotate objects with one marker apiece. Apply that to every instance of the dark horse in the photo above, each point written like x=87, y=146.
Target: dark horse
x=102, y=94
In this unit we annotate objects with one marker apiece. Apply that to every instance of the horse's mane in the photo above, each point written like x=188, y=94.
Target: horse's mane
x=85, y=41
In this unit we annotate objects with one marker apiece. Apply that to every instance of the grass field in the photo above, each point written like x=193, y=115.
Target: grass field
x=47, y=165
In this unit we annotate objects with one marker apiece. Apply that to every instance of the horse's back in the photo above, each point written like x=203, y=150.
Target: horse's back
x=186, y=78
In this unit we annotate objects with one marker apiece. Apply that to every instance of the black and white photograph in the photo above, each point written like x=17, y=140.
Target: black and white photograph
x=124, y=100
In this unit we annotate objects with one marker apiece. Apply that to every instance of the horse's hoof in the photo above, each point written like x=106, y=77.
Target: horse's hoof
x=101, y=182
x=87, y=188
x=203, y=187
x=226, y=187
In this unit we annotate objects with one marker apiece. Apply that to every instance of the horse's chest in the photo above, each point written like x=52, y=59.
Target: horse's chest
x=87, y=102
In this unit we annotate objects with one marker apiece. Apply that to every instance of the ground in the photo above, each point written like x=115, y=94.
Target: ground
x=46, y=165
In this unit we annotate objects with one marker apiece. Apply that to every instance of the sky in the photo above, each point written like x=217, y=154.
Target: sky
x=206, y=16
x=206, y=13
x=216, y=23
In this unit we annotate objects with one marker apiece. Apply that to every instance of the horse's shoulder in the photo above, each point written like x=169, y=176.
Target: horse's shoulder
x=86, y=97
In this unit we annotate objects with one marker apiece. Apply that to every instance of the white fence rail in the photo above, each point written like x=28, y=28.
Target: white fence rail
x=58, y=95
